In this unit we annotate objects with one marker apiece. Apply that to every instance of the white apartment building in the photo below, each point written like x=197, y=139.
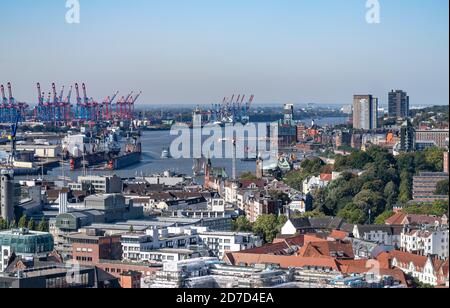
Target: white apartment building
x=313, y=183
x=139, y=246
x=174, y=243
x=384, y=235
x=426, y=242
x=426, y=269
x=222, y=242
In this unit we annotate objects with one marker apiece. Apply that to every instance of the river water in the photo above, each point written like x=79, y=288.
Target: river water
x=153, y=143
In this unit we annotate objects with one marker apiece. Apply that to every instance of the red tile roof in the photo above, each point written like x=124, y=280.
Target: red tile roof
x=401, y=218
x=339, y=235
x=326, y=177
x=337, y=249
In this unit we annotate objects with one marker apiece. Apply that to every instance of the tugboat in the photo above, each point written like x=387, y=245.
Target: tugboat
x=165, y=154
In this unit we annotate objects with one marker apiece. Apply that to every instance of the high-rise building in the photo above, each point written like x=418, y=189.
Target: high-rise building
x=365, y=112
x=407, y=137
x=398, y=104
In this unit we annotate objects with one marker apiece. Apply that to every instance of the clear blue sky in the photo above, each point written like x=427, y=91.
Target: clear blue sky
x=197, y=51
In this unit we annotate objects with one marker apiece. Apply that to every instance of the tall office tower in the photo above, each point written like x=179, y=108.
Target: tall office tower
x=365, y=112
x=8, y=195
x=398, y=104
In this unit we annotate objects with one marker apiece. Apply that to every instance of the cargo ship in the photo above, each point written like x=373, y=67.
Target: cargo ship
x=131, y=156
x=87, y=160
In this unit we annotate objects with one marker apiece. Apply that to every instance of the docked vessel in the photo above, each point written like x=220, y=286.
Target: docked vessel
x=131, y=156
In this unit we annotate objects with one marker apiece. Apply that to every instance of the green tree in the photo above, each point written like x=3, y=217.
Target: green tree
x=3, y=224
x=266, y=226
x=434, y=157
x=241, y=224
x=42, y=226
x=295, y=179
x=381, y=220
x=313, y=214
x=405, y=187
x=391, y=195
x=31, y=224
x=442, y=188
x=22, y=222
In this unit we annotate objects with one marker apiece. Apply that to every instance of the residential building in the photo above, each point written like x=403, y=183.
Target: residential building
x=426, y=269
x=425, y=184
x=365, y=112
x=425, y=242
x=220, y=243
x=398, y=104
x=407, y=137
x=101, y=184
x=310, y=185
x=439, y=137
x=380, y=234
x=261, y=205
x=403, y=219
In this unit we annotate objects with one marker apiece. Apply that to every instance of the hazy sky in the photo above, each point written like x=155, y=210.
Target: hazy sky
x=198, y=51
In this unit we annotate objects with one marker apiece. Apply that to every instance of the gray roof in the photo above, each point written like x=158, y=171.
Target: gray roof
x=391, y=230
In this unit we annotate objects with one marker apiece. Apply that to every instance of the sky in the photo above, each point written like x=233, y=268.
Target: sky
x=198, y=51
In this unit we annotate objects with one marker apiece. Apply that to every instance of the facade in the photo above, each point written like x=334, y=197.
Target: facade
x=23, y=243
x=385, y=235
x=439, y=137
x=407, y=137
x=432, y=241
x=425, y=184
x=89, y=249
x=424, y=268
x=365, y=112
x=314, y=183
x=398, y=104
x=258, y=206
x=101, y=184
x=220, y=243
x=145, y=247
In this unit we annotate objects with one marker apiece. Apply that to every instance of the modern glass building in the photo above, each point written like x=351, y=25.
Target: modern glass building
x=24, y=243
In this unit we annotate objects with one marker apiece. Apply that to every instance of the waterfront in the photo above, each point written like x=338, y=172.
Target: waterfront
x=154, y=142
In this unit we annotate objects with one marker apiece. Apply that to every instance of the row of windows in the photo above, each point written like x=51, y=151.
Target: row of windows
x=84, y=259
x=64, y=282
